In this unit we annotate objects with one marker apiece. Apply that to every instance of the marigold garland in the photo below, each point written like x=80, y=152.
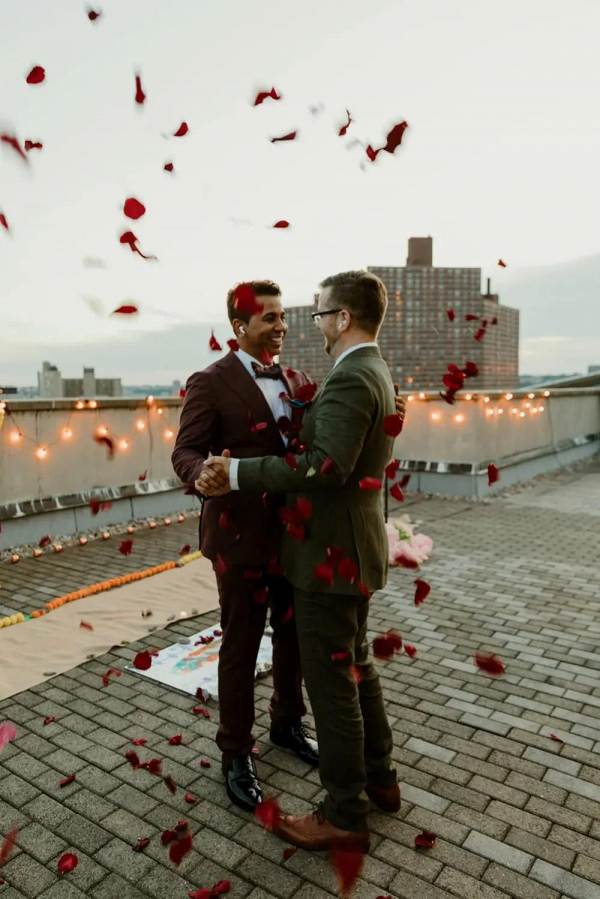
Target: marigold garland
x=107, y=585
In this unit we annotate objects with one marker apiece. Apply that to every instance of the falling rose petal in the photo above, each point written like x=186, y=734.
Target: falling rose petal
x=33, y=145
x=140, y=96
x=470, y=370
x=180, y=847
x=3, y=221
x=556, y=738
x=281, y=224
x=503, y=264
x=8, y=732
x=268, y=814
x=86, y=625
x=394, y=139
x=391, y=469
x=287, y=615
x=490, y=664
x=176, y=740
x=49, y=720
x=422, y=591
x=143, y=661
x=290, y=136
x=261, y=595
x=304, y=507
x=141, y=844
x=143, y=475
x=451, y=314
x=103, y=440
x=396, y=492
x=347, y=866
x=190, y=799
x=125, y=309
x=106, y=677
x=233, y=345
x=324, y=572
x=14, y=143
x=469, y=317
x=385, y=645
x=370, y=484
x=140, y=742
x=410, y=650
x=480, y=334
x=494, y=321
x=404, y=480
x=204, y=893
x=170, y=784
x=133, y=209
x=345, y=127
x=291, y=461
x=67, y=863
x=204, y=763
x=348, y=570
x=341, y=656
x=8, y=844
x=93, y=15
x=167, y=837
x=453, y=382
x=168, y=167
x=184, y=549
x=221, y=566
x=45, y=540
x=132, y=756
x=154, y=767
x=36, y=76
x=244, y=300
x=213, y=343
x=392, y=425
x=425, y=840
x=364, y=589
x=223, y=886
x=355, y=673
x=305, y=393
x=448, y=397
x=263, y=95
x=68, y=780
x=493, y=474
x=129, y=238
x=182, y=130
x=126, y=547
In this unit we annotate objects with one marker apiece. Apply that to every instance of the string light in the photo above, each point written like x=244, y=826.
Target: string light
x=500, y=411
x=541, y=408
x=80, y=404
x=41, y=452
x=410, y=398
x=93, y=404
x=435, y=416
x=422, y=396
x=140, y=425
x=531, y=395
x=469, y=396
x=527, y=405
x=150, y=399
x=546, y=393
x=460, y=417
x=486, y=399
x=67, y=433
x=514, y=411
x=508, y=396
x=102, y=430
x=521, y=415
x=489, y=411
x=123, y=444
x=15, y=436
x=159, y=410
x=168, y=434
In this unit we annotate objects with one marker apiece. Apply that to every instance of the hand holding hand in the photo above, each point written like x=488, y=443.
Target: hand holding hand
x=214, y=480
x=400, y=407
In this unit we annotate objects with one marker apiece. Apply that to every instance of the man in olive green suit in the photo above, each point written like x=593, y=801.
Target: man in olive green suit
x=346, y=448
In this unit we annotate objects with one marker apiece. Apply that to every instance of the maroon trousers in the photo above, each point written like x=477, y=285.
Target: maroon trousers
x=243, y=621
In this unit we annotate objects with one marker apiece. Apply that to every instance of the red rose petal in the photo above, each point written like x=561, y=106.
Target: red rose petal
x=129, y=238
x=470, y=370
x=182, y=130
x=176, y=740
x=3, y=221
x=391, y=469
x=125, y=309
x=556, y=738
x=262, y=96
x=287, y=853
x=355, y=673
x=205, y=763
x=385, y=645
x=348, y=570
x=133, y=209
x=14, y=143
x=49, y=720
x=190, y=799
x=305, y=393
x=31, y=145
x=179, y=848
x=141, y=742
x=290, y=136
x=67, y=863
x=364, y=589
x=167, y=837
x=325, y=573
x=291, y=461
x=394, y=139
x=233, y=345
x=143, y=661
x=493, y=474
x=244, y=300
x=36, y=76
x=341, y=656
x=268, y=814
x=126, y=547
x=422, y=592
x=93, y=15
x=347, y=866
x=480, y=334
x=410, y=650
x=469, y=317
x=106, y=677
x=168, y=167
x=86, y=625
x=7, y=844
x=204, y=893
x=281, y=224
x=261, y=595
x=184, y=549
x=490, y=664
x=396, y=492
x=425, y=840
x=68, y=780
x=404, y=480
x=141, y=844
x=345, y=127
x=451, y=314
x=213, y=343
x=132, y=756
x=287, y=615
x=503, y=264
x=259, y=427
x=143, y=475
x=221, y=566
x=140, y=96
x=370, y=484
x=223, y=886
x=392, y=425
x=45, y=540
x=103, y=440
x=170, y=784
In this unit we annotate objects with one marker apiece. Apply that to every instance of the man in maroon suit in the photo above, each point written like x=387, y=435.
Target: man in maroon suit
x=236, y=404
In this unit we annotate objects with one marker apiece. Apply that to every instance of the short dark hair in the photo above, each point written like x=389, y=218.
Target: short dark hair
x=363, y=294
x=260, y=288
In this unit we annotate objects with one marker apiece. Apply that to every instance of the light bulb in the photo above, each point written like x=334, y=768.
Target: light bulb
x=500, y=411
x=421, y=396
x=168, y=434
x=508, y=396
x=152, y=524
x=140, y=425
x=460, y=417
x=102, y=431
x=514, y=411
x=527, y=405
x=410, y=398
x=435, y=416
x=92, y=404
x=82, y=541
x=150, y=399
x=531, y=395
x=67, y=433
x=79, y=404
x=15, y=436
x=546, y=393
x=521, y=415
x=123, y=444
x=489, y=411
x=159, y=411
x=534, y=410
x=37, y=552
x=541, y=408
x=167, y=521
x=469, y=396
x=41, y=452
x=486, y=399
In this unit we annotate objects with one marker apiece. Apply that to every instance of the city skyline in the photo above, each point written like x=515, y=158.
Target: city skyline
x=498, y=161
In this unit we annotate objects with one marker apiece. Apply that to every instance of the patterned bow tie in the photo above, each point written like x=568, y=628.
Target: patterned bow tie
x=273, y=371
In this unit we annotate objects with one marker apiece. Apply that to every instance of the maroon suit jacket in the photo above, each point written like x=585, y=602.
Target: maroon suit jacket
x=221, y=404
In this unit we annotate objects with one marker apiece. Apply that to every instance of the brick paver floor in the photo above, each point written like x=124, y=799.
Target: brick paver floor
x=516, y=812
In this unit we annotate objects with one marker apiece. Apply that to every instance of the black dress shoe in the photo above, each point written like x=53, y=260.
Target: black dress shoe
x=242, y=783
x=296, y=738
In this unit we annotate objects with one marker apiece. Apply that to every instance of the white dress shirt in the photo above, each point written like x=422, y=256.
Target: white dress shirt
x=271, y=390
x=262, y=383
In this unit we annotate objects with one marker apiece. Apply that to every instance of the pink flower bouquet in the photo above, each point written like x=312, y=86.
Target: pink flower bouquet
x=407, y=549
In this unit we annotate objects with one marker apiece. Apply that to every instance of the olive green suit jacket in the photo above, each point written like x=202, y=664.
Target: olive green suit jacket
x=344, y=422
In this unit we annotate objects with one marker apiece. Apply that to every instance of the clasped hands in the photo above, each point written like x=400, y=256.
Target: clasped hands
x=214, y=480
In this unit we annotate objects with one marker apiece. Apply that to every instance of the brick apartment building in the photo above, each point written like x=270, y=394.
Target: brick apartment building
x=417, y=339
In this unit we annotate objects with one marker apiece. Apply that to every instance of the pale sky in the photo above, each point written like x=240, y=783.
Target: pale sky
x=500, y=158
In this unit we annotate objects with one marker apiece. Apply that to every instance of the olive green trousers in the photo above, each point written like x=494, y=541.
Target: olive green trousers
x=355, y=739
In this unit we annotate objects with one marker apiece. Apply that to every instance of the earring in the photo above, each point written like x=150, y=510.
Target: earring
x=241, y=331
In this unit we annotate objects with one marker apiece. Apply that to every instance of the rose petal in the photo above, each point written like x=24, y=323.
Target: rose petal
x=221, y=566
x=490, y=664
x=132, y=756
x=36, y=76
x=370, y=484
x=223, y=886
x=425, y=840
x=180, y=847
x=106, y=677
x=341, y=656
x=493, y=474
x=213, y=343
x=396, y=492
x=325, y=573
x=556, y=738
x=385, y=645
x=355, y=673
x=348, y=570
x=347, y=866
x=182, y=130
x=143, y=661
x=422, y=592
x=3, y=221
x=168, y=167
x=204, y=893
x=291, y=461
x=140, y=742
x=392, y=425
x=176, y=740
x=189, y=798
x=345, y=127
x=262, y=96
x=68, y=780
x=410, y=650
x=290, y=136
x=268, y=814
x=45, y=540
x=107, y=442
x=140, y=96
x=7, y=844
x=129, y=238
x=170, y=784
x=86, y=625
x=141, y=844
x=451, y=315
x=503, y=264
x=67, y=863
x=49, y=720
x=392, y=469
x=14, y=143
x=184, y=549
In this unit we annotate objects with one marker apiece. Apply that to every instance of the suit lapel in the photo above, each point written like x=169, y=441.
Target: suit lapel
x=233, y=373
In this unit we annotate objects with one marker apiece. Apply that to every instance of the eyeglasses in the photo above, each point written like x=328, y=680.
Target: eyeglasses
x=317, y=316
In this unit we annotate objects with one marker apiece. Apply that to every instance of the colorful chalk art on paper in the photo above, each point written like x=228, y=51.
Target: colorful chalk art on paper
x=192, y=664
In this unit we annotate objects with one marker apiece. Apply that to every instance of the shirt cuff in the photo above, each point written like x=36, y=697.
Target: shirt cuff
x=233, y=474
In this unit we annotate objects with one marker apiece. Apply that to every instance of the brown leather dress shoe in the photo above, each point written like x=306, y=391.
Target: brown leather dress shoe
x=315, y=832
x=385, y=798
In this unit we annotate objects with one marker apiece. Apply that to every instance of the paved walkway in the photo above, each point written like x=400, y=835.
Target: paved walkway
x=516, y=813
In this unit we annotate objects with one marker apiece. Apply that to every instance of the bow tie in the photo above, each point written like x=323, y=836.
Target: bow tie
x=273, y=371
